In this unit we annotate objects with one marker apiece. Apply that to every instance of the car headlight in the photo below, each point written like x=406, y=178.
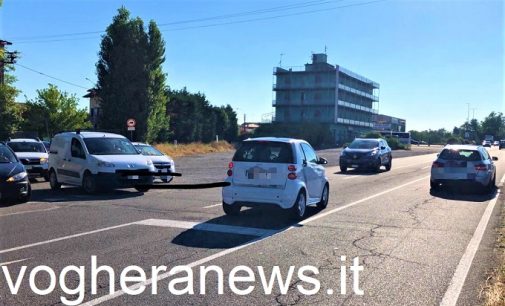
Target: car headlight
x=103, y=164
x=373, y=153
x=17, y=177
x=149, y=162
x=43, y=160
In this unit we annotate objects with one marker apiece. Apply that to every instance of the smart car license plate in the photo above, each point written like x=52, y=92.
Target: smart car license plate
x=133, y=177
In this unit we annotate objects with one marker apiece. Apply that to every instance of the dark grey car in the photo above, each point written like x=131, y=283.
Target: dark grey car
x=366, y=153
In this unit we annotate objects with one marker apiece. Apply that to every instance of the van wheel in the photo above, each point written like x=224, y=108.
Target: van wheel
x=324, y=197
x=89, y=183
x=53, y=181
x=46, y=177
x=299, y=209
x=231, y=209
x=140, y=188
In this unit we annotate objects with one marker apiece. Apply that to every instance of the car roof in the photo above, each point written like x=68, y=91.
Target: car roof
x=462, y=147
x=277, y=139
x=140, y=144
x=362, y=138
x=23, y=140
x=92, y=134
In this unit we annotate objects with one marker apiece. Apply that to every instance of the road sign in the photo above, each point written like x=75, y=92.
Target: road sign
x=131, y=122
x=131, y=128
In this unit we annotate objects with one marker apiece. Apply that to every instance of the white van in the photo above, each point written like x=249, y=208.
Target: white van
x=96, y=160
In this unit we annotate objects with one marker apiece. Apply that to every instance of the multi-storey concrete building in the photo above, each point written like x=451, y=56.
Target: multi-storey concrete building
x=324, y=93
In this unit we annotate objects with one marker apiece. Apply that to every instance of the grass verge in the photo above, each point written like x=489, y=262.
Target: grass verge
x=494, y=290
x=189, y=149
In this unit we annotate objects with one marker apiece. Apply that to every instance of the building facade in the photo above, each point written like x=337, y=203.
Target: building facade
x=385, y=123
x=94, y=106
x=324, y=93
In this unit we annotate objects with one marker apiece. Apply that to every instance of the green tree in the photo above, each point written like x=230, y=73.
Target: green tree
x=131, y=83
x=10, y=111
x=231, y=132
x=493, y=124
x=53, y=111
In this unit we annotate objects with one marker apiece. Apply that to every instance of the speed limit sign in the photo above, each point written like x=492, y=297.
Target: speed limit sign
x=131, y=122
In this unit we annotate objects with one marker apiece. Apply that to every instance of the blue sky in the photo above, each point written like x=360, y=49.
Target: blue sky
x=430, y=57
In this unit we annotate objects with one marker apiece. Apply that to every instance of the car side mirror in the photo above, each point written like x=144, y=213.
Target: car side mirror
x=345, y=147
x=495, y=158
x=322, y=161
x=383, y=148
x=304, y=163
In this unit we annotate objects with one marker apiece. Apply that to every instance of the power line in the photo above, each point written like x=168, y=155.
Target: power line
x=54, y=78
x=227, y=23
x=233, y=15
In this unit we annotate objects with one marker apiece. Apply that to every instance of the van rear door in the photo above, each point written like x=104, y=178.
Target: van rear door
x=262, y=164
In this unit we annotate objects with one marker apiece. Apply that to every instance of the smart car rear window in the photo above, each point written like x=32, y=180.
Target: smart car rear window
x=264, y=152
x=466, y=155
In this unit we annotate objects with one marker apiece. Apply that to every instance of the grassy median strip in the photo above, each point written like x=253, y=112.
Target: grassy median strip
x=189, y=149
x=494, y=291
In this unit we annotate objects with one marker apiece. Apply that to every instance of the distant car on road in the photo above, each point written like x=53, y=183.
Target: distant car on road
x=33, y=154
x=502, y=144
x=486, y=143
x=95, y=160
x=367, y=153
x=163, y=163
x=464, y=164
x=14, y=183
x=496, y=143
x=283, y=172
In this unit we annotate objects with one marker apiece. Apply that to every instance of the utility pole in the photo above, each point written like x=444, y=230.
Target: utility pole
x=5, y=58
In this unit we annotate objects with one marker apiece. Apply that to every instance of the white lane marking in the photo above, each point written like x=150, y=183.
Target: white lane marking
x=118, y=293
x=324, y=214
x=451, y=296
x=211, y=227
x=213, y=205
x=30, y=211
x=351, y=177
x=14, y=261
x=64, y=238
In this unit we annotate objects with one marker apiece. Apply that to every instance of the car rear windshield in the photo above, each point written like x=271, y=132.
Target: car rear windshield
x=148, y=150
x=27, y=147
x=364, y=144
x=264, y=152
x=462, y=154
x=110, y=146
x=6, y=155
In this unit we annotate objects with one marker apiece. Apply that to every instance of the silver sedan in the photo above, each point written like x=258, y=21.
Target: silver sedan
x=459, y=164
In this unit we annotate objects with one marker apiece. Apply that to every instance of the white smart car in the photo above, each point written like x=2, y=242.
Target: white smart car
x=276, y=171
x=163, y=163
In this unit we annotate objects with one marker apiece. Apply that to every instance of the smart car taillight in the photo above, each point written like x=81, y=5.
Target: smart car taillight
x=480, y=167
x=292, y=176
x=437, y=164
x=230, y=165
x=291, y=168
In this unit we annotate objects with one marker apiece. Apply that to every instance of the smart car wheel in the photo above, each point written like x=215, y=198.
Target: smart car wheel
x=140, y=188
x=89, y=183
x=53, y=181
x=300, y=207
x=324, y=197
x=231, y=209
x=343, y=168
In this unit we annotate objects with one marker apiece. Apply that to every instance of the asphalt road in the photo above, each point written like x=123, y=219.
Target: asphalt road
x=416, y=247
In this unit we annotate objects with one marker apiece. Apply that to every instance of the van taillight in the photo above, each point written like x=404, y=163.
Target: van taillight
x=437, y=164
x=480, y=167
x=291, y=168
x=292, y=176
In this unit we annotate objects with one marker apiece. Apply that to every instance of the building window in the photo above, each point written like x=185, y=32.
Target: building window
x=302, y=96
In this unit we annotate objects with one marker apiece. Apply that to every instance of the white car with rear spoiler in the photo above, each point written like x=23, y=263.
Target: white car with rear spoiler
x=283, y=172
x=464, y=164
